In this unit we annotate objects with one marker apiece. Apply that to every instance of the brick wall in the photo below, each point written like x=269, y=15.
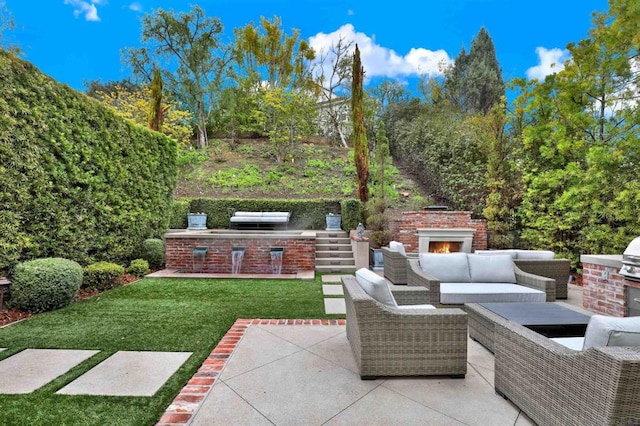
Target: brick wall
x=405, y=229
x=299, y=254
x=602, y=294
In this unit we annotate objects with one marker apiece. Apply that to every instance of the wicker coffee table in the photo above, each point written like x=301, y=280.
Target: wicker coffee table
x=548, y=319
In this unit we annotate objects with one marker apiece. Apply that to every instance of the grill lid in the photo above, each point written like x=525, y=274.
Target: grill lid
x=631, y=260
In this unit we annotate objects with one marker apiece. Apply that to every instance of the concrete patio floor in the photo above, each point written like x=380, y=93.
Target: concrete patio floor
x=295, y=372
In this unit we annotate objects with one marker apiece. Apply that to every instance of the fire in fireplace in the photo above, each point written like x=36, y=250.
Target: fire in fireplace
x=444, y=246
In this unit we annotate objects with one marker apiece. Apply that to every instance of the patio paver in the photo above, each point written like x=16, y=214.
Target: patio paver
x=128, y=373
x=334, y=305
x=31, y=369
x=332, y=290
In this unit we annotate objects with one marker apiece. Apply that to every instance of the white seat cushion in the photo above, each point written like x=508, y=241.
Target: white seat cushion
x=397, y=246
x=446, y=267
x=574, y=343
x=603, y=330
x=535, y=254
x=459, y=293
x=375, y=286
x=491, y=269
x=416, y=307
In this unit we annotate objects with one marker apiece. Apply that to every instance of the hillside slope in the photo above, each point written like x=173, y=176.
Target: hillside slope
x=248, y=169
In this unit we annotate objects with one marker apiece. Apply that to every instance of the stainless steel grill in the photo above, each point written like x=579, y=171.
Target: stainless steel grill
x=631, y=261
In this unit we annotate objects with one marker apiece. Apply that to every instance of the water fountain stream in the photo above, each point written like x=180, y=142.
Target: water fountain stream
x=276, y=260
x=237, y=253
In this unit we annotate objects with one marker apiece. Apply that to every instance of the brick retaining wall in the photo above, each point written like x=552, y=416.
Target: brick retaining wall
x=299, y=254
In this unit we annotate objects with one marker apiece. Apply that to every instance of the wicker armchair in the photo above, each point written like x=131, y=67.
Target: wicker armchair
x=395, y=265
x=388, y=341
x=555, y=385
x=558, y=269
x=417, y=277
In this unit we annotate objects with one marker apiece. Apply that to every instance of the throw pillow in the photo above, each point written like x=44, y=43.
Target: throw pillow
x=603, y=330
x=375, y=286
x=446, y=267
x=491, y=269
x=397, y=246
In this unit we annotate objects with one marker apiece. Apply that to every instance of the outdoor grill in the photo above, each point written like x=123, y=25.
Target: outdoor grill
x=631, y=261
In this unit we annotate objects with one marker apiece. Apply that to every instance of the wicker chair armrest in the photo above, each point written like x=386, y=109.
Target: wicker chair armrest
x=417, y=277
x=592, y=387
x=410, y=295
x=548, y=285
x=387, y=253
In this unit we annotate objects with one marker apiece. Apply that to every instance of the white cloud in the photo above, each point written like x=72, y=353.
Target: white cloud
x=551, y=61
x=88, y=9
x=136, y=7
x=380, y=61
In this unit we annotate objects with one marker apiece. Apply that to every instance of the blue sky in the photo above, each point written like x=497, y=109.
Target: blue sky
x=79, y=40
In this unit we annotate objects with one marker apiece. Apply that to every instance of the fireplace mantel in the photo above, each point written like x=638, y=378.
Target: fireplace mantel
x=462, y=235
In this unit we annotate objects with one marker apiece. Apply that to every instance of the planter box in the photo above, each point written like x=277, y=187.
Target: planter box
x=196, y=221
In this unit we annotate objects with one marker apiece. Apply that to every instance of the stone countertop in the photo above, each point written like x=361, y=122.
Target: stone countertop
x=610, y=260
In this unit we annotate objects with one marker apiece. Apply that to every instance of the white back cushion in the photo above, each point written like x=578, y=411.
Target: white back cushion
x=510, y=252
x=535, y=254
x=375, y=286
x=612, y=331
x=397, y=246
x=491, y=269
x=447, y=267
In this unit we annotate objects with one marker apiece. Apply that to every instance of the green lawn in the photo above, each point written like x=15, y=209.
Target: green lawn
x=188, y=315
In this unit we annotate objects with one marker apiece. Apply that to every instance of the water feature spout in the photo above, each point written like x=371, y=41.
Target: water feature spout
x=276, y=260
x=237, y=253
x=199, y=254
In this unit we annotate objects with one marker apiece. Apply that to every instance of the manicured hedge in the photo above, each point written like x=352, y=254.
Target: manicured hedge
x=76, y=179
x=305, y=214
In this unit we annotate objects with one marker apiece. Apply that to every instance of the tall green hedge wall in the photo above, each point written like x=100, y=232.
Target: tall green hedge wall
x=76, y=180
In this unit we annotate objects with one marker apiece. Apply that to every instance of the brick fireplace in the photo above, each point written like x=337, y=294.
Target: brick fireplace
x=418, y=230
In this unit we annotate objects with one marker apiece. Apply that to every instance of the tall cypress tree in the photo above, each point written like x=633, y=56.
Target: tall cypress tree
x=474, y=84
x=360, y=146
x=156, y=111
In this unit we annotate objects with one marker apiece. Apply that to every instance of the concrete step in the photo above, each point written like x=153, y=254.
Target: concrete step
x=330, y=254
x=335, y=269
x=336, y=261
x=333, y=247
x=333, y=240
x=332, y=234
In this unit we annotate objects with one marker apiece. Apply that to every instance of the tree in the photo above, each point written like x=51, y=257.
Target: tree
x=134, y=102
x=269, y=63
x=332, y=75
x=156, y=109
x=474, y=83
x=579, y=143
x=7, y=25
x=359, y=131
x=189, y=43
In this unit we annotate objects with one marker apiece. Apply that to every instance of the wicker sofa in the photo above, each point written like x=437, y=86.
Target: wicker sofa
x=555, y=385
x=391, y=341
x=523, y=287
x=396, y=264
x=540, y=262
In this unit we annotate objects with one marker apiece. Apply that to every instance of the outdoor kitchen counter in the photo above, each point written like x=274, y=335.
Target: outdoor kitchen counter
x=609, y=260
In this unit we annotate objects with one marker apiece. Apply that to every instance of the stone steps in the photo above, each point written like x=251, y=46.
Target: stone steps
x=333, y=252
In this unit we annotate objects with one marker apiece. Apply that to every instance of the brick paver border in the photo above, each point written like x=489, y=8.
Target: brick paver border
x=191, y=397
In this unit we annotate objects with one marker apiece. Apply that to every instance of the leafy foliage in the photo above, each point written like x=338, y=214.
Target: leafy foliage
x=138, y=268
x=102, y=276
x=76, y=180
x=153, y=252
x=46, y=284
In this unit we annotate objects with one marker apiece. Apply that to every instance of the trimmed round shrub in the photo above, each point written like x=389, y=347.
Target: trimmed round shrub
x=153, y=252
x=46, y=284
x=102, y=276
x=138, y=268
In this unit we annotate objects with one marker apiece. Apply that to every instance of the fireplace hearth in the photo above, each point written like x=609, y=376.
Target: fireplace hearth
x=445, y=240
